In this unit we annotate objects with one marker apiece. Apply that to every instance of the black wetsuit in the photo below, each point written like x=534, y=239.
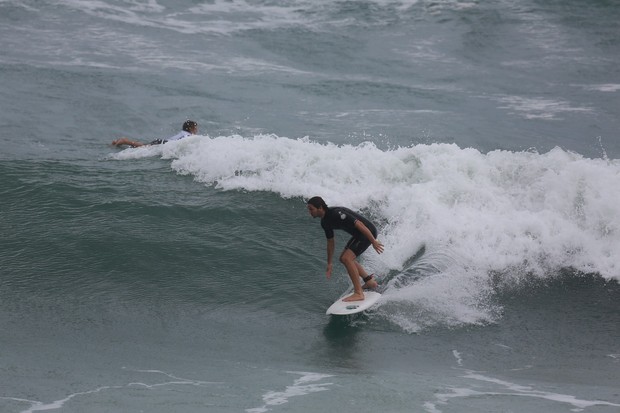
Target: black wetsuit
x=344, y=219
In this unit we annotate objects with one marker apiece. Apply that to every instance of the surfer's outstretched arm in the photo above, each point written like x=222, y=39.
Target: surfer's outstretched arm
x=330, y=256
x=125, y=141
x=368, y=234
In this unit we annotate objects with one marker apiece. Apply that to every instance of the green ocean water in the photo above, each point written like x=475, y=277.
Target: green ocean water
x=481, y=138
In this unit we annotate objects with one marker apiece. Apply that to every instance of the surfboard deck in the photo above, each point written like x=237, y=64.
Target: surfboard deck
x=341, y=307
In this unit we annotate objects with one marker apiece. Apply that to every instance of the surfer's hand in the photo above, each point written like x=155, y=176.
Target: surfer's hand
x=328, y=272
x=377, y=246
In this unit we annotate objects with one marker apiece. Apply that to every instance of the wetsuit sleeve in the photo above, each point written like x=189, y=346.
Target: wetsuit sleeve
x=329, y=231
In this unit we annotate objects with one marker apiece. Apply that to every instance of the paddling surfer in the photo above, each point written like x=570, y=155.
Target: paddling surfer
x=363, y=234
x=189, y=128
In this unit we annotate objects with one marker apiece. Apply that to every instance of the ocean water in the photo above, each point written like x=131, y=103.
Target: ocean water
x=480, y=137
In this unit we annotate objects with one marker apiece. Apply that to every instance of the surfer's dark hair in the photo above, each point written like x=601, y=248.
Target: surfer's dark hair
x=317, y=202
x=188, y=125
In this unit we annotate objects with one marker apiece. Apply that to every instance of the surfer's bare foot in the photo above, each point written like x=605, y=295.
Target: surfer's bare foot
x=369, y=282
x=354, y=297
x=370, y=285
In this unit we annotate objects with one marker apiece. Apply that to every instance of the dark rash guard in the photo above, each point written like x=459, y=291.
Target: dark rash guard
x=344, y=219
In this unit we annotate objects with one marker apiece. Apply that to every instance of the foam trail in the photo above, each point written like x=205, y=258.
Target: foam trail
x=458, y=358
x=36, y=406
x=507, y=389
x=301, y=387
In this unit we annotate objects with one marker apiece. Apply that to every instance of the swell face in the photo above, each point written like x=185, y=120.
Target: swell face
x=484, y=220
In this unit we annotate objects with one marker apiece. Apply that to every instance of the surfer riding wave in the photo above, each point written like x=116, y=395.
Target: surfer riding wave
x=363, y=234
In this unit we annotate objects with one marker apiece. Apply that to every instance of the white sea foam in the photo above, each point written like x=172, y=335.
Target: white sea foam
x=606, y=87
x=515, y=214
x=36, y=406
x=227, y=17
x=539, y=108
x=529, y=391
x=491, y=387
x=302, y=386
x=216, y=17
x=457, y=356
x=146, y=14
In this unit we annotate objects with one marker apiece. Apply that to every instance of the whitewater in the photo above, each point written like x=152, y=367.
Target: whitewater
x=485, y=222
x=526, y=212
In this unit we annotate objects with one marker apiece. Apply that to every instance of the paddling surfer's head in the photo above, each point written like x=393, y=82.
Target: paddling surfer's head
x=190, y=126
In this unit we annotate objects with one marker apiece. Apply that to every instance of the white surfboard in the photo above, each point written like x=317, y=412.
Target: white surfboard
x=341, y=307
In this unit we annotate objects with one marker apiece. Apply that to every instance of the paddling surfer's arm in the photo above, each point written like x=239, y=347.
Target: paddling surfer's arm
x=330, y=255
x=364, y=230
x=125, y=141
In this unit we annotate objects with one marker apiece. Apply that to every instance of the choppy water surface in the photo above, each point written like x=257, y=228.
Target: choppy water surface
x=480, y=137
